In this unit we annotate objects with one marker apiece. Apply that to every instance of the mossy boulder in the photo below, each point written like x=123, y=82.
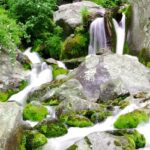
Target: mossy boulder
x=58, y=71
x=135, y=139
x=131, y=120
x=75, y=120
x=5, y=94
x=74, y=46
x=32, y=140
x=34, y=112
x=52, y=128
x=100, y=116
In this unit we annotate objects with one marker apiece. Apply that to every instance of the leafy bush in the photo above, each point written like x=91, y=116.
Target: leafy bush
x=85, y=15
x=74, y=47
x=41, y=31
x=10, y=34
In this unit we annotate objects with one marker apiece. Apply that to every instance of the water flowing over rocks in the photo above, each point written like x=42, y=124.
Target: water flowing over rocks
x=68, y=15
x=10, y=126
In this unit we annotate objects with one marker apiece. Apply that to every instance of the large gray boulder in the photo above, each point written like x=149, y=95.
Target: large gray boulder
x=100, y=141
x=140, y=26
x=10, y=126
x=10, y=73
x=69, y=15
x=109, y=76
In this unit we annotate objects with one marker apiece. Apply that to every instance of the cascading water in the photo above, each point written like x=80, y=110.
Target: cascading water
x=120, y=33
x=41, y=73
x=98, y=38
x=74, y=133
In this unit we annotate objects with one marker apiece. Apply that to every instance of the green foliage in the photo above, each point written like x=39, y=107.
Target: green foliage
x=52, y=129
x=74, y=47
x=34, y=113
x=131, y=120
x=85, y=15
x=57, y=71
x=32, y=140
x=22, y=84
x=75, y=120
x=41, y=31
x=108, y=3
x=10, y=34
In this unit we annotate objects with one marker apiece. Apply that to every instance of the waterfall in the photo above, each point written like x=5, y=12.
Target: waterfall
x=41, y=73
x=120, y=33
x=98, y=38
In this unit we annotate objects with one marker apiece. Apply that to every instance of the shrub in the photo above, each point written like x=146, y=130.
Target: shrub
x=74, y=47
x=10, y=34
x=131, y=120
x=34, y=113
x=85, y=15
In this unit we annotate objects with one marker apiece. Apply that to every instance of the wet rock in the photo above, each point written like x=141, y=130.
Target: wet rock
x=70, y=22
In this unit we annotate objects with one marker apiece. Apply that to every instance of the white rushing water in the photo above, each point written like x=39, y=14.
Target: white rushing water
x=41, y=73
x=120, y=33
x=74, y=133
x=97, y=36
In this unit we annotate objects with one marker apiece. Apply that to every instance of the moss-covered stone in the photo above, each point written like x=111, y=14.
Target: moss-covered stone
x=57, y=71
x=5, y=94
x=52, y=128
x=75, y=46
x=22, y=84
x=75, y=120
x=51, y=102
x=32, y=140
x=34, y=112
x=131, y=120
x=100, y=116
x=73, y=147
x=136, y=138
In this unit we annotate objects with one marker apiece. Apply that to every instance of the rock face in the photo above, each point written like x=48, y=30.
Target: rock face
x=100, y=141
x=140, y=28
x=109, y=76
x=69, y=16
x=10, y=74
x=10, y=129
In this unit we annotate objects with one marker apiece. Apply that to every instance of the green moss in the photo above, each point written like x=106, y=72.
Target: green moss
x=22, y=84
x=26, y=66
x=73, y=147
x=144, y=57
x=32, y=140
x=100, y=116
x=75, y=120
x=4, y=95
x=117, y=143
x=51, y=102
x=136, y=138
x=74, y=47
x=131, y=120
x=52, y=129
x=34, y=113
x=57, y=71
